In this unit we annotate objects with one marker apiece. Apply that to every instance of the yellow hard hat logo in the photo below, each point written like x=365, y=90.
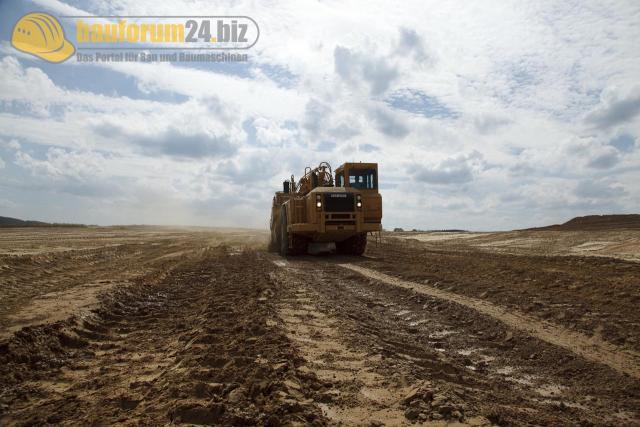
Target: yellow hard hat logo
x=41, y=35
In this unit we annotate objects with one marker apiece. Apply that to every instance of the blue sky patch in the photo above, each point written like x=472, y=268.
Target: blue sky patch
x=417, y=102
x=625, y=143
x=280, y=75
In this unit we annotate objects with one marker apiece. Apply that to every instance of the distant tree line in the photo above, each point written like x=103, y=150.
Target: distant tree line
x=6, y=221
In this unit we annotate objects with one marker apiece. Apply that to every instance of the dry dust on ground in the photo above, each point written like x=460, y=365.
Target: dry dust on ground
x=162, y=326
x=622, y=244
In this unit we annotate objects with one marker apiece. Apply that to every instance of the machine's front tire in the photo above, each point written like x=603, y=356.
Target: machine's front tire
x=354, y=245
x=299, y=245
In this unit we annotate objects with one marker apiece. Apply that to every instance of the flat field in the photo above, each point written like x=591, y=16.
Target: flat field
x=155, y=326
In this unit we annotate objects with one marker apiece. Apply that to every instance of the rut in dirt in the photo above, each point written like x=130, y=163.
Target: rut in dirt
x=592, y=348
x=195, y=343
x=595, y=296
x=458, y=363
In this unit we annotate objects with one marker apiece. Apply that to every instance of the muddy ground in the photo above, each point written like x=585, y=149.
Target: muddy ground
x=161, y=326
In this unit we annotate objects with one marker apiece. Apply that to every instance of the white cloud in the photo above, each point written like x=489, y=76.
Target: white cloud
x=615, y=109
x=7, y=204
x=453, y=170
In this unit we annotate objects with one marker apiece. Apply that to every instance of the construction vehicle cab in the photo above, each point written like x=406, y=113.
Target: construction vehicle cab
x=326, y=208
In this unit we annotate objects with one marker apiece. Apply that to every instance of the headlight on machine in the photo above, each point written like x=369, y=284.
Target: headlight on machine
x=318, y=201
x=359, y=201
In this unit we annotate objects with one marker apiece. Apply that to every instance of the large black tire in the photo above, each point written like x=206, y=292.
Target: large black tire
x=273, y=244
x=274, y=236
x=284, y=234
x=354, y=245
x=299, y=245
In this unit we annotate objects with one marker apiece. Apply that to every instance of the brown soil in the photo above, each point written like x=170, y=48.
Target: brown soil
x=180, y=326
x=191, y=343
x=592, y=295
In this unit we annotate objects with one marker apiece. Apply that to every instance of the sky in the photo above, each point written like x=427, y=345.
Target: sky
x=481, y=115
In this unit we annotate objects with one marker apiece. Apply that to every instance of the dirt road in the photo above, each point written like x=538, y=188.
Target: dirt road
x=205, y=327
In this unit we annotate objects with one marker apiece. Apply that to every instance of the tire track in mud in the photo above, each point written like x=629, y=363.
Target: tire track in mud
x=367, y=367
x=437, y=360
x=46, y=276
x=39, y=266
x=353, y=392
x=592, y=348
x=590, y=295
x=193, y=343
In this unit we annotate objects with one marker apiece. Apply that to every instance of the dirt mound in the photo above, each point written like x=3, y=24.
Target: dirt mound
x=596, y=222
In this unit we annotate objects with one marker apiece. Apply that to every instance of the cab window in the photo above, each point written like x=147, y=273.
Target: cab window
x=339, y=180
x=363, y=179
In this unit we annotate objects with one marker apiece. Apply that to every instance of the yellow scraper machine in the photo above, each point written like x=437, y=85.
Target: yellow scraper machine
x=326, y=208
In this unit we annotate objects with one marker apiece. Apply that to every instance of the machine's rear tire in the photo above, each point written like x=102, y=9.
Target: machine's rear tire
x=298, y=243
x=274, y=237
x=273, y=245
x=354, y=245
x=284, y=234
x=276, y=243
